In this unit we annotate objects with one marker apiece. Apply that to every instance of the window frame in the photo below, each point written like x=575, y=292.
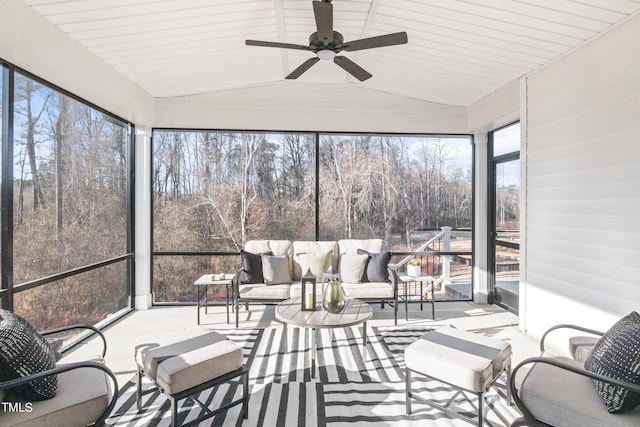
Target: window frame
x=8, y=288
x=318, y=136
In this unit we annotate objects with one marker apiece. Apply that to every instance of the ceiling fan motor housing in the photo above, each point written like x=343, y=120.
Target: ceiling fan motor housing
x=316, y=44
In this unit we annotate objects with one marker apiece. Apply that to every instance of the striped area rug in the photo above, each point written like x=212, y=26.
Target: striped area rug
x=347, y=389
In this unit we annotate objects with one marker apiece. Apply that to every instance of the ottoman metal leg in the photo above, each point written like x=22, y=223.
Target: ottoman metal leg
x=408, y=389
x=245, y=395
x=480, y=408
x=174, y=411
x=139, y=391
x=445, y=407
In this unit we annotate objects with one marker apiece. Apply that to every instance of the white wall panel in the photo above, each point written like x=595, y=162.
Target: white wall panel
x=583, y=184
x=312, y=107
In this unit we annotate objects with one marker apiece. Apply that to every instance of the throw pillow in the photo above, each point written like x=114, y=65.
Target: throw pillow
x=617, y=355
x=252, y=267
x=23, y=352
x=376, y=266
x=352, y=267
x=275, y=269
x=318, y=262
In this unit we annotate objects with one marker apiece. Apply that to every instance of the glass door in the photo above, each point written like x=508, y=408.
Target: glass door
x=504, y=218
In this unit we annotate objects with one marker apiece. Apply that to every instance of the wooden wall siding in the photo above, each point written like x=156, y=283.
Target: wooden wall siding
x=583, y=184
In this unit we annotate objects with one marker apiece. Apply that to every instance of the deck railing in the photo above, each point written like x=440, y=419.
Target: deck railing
x=434, y=250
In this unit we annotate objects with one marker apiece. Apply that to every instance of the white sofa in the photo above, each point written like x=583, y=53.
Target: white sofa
x=281, y=285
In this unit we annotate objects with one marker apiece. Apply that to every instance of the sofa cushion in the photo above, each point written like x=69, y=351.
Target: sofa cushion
x=316, y=262
x=352, y=267
x=24, y=352
x=195, y=366
x=252, y=266
x=277, y=247
x=275, y=269
x=148, y=357
x=309, y=247
x=377, y=266
x=580, y=347
x=295, y=291
x=465, y=359
x=617, y=355
x=560, y=397
x=351, y=246
x=370, y=290
x=260, y=291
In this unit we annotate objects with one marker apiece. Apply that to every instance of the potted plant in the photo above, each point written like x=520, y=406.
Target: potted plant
x=414, y=267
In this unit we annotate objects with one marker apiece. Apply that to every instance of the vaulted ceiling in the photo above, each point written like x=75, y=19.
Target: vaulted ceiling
x=458, y=50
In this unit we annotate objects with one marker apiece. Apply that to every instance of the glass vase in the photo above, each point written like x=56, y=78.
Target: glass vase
x=333, y=297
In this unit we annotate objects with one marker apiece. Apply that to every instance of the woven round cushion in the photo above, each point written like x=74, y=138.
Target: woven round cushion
x=23, y=352
x=617, y=355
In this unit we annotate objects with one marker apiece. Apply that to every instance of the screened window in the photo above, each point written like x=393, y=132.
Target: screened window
x=213, y=191
x=393, y=187
x=70, y=174
x=70, y=228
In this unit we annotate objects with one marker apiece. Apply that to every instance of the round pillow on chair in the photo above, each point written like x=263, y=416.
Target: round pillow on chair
x=24, y=352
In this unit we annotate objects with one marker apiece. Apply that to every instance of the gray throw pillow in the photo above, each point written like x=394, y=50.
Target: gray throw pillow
x=377, y=266
x=252, y=267
x=352, y=267
x=24, y=352
x=617, y=355
x=275, y=269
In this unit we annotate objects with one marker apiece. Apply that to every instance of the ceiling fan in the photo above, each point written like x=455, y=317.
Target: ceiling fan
x=326, y=44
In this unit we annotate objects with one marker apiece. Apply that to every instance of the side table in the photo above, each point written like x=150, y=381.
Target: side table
x=407, y=281
x=213, y=279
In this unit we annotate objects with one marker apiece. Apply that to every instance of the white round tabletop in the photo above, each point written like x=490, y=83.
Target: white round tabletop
x=355, y=312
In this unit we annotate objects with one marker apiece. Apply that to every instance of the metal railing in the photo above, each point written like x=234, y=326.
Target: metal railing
x=443, y=239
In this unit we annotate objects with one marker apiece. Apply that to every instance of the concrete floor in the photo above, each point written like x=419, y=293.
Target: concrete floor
x=148, y=326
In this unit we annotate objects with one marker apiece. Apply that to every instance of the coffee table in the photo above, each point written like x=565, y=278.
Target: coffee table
x=355, y=312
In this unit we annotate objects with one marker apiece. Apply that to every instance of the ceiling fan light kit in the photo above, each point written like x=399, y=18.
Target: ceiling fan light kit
x=327, y=43
x=326, y=54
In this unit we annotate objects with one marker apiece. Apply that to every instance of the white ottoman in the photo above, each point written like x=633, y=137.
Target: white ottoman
x=184, y=367
x=465, y=360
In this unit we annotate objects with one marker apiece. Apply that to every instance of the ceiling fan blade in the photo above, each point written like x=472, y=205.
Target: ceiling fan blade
x=378, y=41
x=323, y=12
x=276, y=44
x=352, y=68
x=302, y=68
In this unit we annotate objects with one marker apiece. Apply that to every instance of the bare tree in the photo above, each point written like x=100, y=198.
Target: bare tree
x=31, y=102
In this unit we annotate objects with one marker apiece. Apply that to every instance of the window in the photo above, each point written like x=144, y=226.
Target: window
x=393, y=187
x=70, y=193
x=215, y=190
x=504, y=215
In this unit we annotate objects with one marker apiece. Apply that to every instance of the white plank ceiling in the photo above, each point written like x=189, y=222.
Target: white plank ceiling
x=458, y=50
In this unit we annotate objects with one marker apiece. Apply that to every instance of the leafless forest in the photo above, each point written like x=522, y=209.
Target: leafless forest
x=212, y=191
x=69, y=210
x=215, y=190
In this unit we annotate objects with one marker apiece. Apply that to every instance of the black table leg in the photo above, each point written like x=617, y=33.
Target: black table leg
x=198, y=304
